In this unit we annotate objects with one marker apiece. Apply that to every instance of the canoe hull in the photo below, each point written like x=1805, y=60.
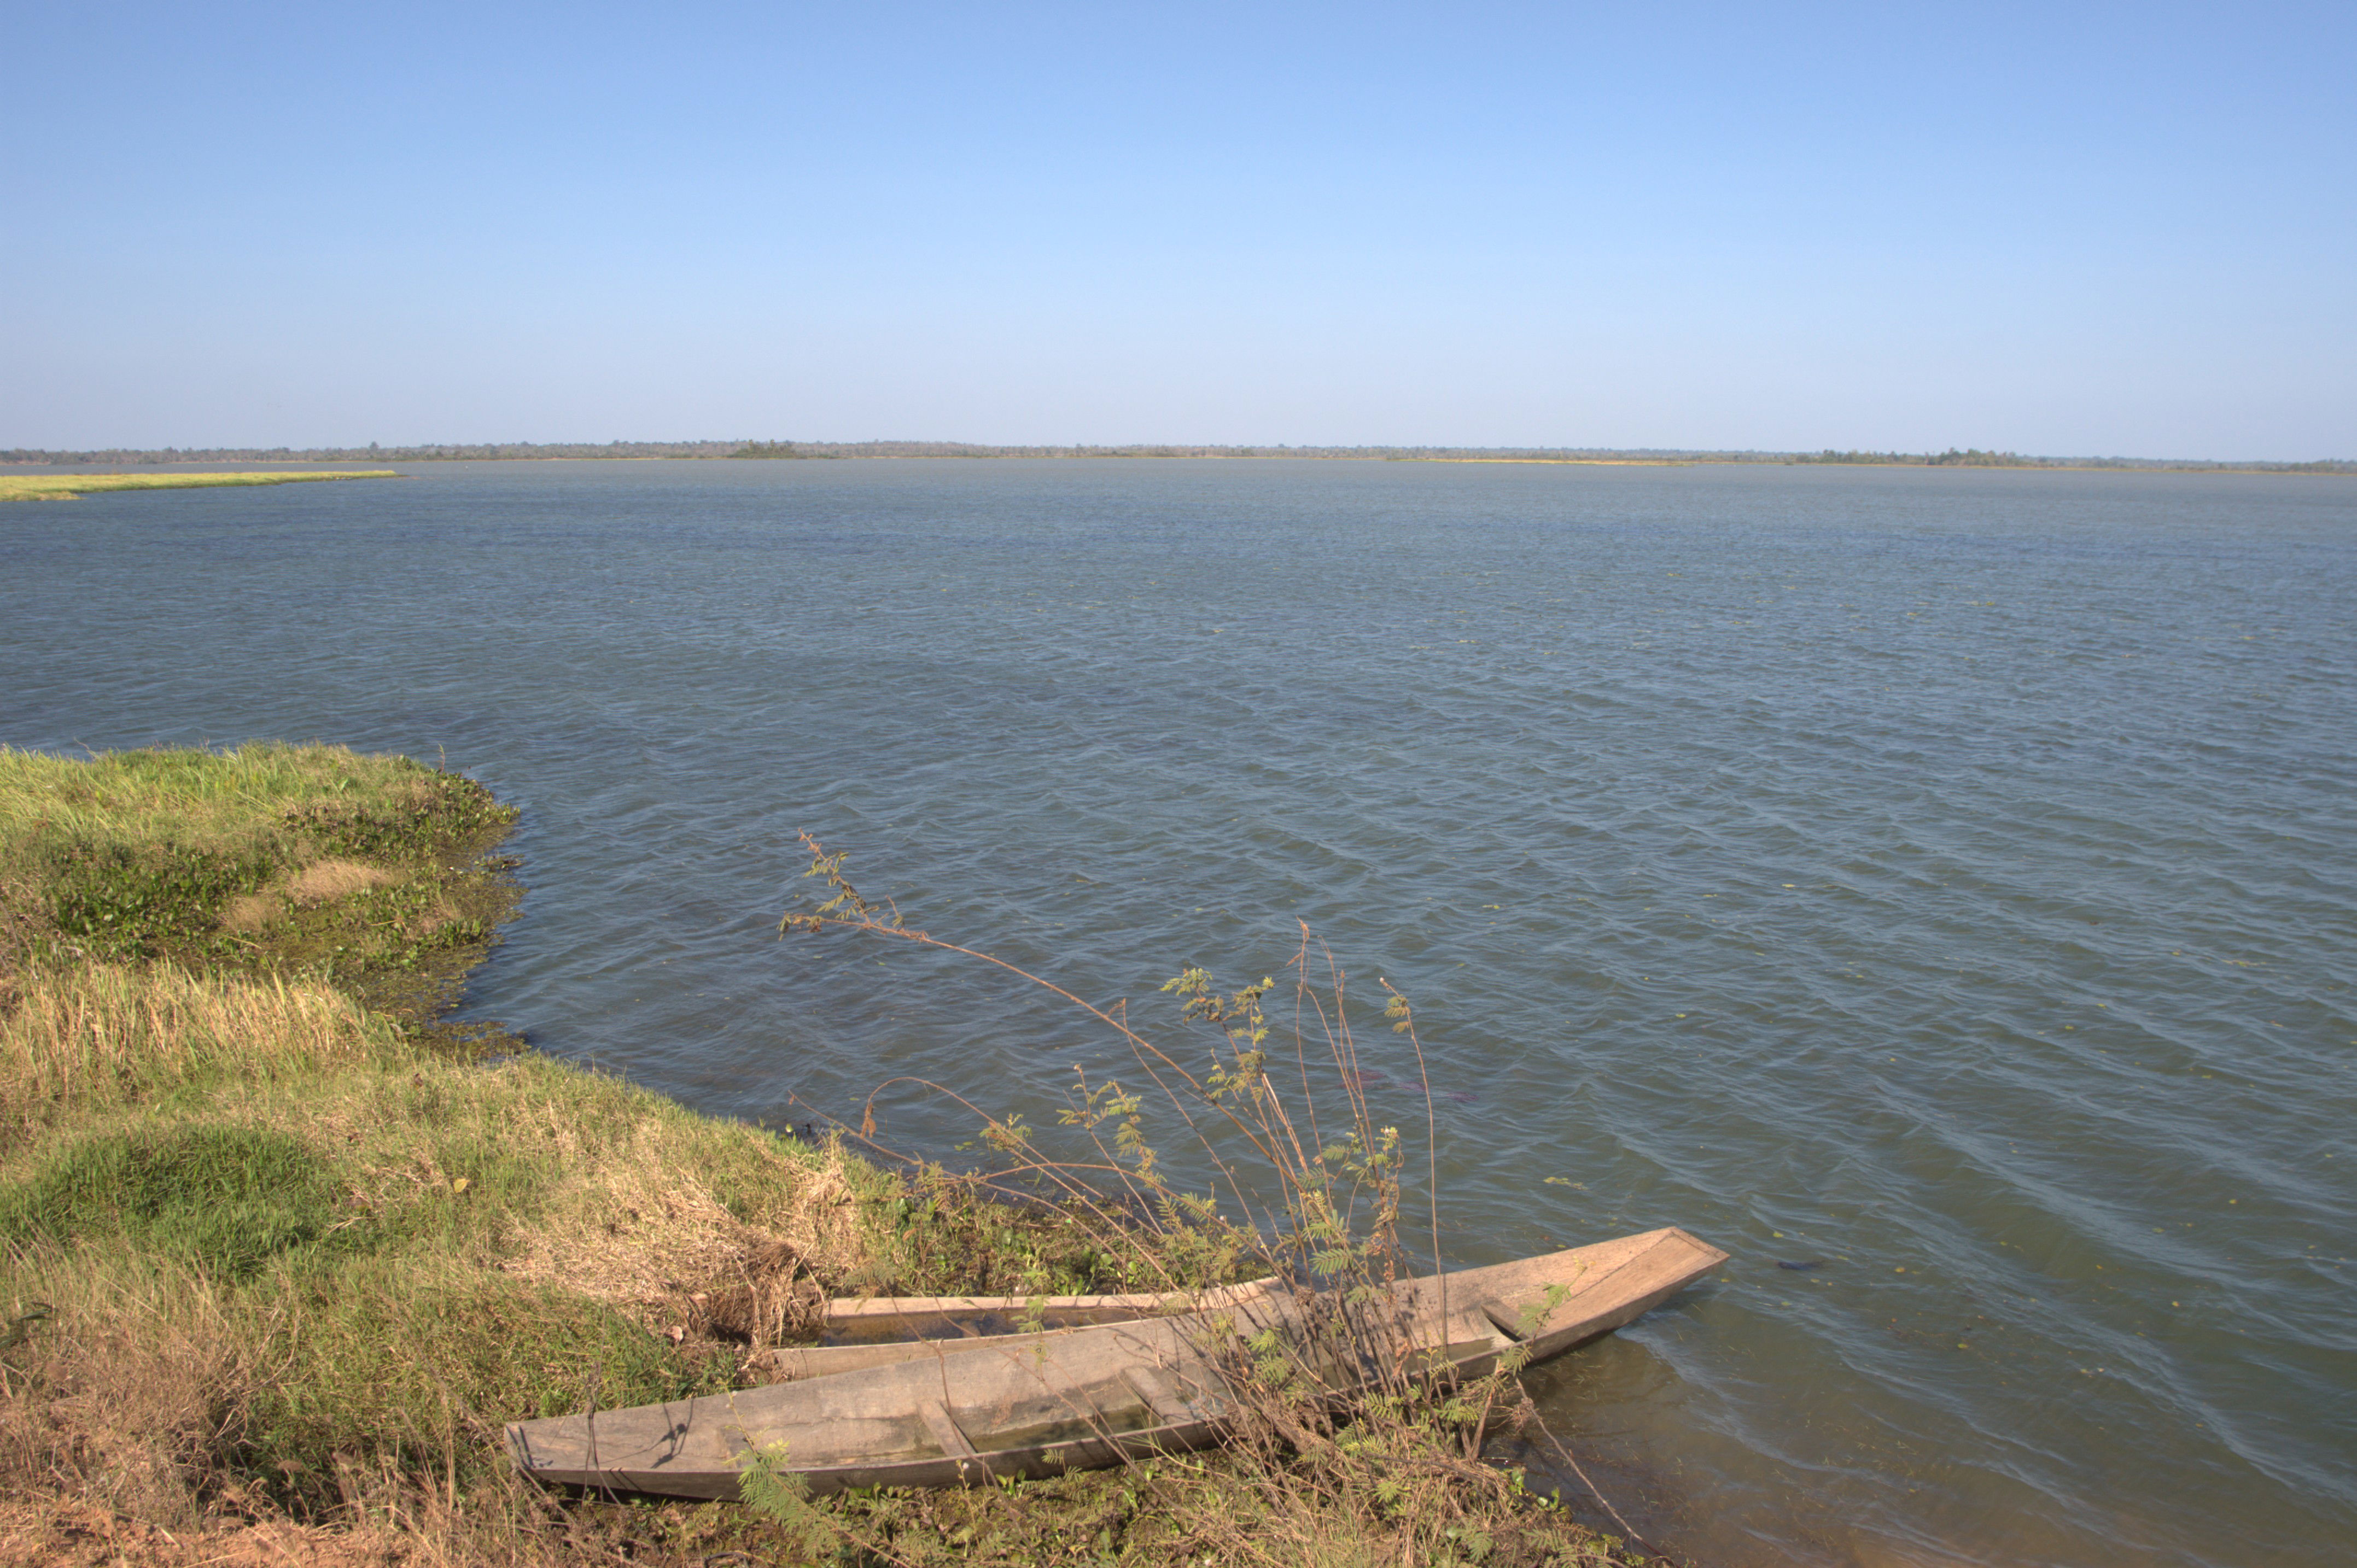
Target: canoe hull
x=966, y=1411
x=1092, y=1452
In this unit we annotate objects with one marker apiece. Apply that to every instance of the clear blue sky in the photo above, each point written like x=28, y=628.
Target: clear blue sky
x=2072, y=230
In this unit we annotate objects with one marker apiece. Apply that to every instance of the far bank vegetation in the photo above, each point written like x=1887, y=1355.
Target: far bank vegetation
x=66, y=486
x=573, y=451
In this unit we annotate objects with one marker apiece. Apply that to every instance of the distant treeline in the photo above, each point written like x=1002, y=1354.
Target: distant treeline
x=1973, y=457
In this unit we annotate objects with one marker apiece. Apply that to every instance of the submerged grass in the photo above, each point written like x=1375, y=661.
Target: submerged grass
x=66, y=486
x=279, y=1255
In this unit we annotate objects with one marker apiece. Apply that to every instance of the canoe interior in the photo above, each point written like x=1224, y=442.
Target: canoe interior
x=911, y=1327
x=885, y=1320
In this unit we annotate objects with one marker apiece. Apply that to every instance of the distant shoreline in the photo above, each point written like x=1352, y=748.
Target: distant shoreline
x=68, y=486
x=21, y=458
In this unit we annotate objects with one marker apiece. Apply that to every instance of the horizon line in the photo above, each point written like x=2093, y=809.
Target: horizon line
x=774, y=449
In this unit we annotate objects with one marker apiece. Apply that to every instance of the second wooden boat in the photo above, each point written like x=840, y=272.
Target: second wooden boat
x=968, y=1410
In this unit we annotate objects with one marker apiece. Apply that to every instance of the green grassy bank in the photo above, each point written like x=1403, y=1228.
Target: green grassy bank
x=279, y=1251
x=65, y=487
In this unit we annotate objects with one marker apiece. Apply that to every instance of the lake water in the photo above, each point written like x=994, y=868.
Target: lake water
x=1945, y=878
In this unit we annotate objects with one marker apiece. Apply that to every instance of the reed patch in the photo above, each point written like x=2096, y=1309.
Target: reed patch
x=77, y=1040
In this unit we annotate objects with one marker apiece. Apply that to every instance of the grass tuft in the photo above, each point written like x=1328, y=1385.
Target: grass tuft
x=226, y=1199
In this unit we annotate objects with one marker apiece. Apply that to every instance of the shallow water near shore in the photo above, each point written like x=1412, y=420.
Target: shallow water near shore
x=1939, y=888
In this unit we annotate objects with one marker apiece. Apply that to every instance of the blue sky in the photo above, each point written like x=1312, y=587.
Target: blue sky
x=2059, y=230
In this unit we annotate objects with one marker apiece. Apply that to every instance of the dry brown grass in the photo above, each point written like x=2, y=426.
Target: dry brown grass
x=308, y=886
x=638, y=1229
x=324, y=881
x=411, y=1529
x=54, y=1534
x=107, y=1034
x=127, y=1385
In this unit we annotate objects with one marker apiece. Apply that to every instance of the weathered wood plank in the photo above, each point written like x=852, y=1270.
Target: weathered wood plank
x=850, y=1310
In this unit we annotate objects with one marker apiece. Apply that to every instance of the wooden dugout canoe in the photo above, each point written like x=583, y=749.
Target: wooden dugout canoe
x=960, y=1411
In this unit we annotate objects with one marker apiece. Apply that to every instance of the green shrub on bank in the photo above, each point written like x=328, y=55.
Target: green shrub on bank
x=118, y=902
